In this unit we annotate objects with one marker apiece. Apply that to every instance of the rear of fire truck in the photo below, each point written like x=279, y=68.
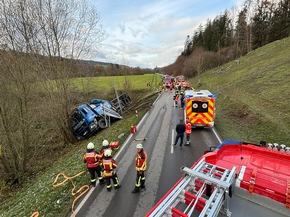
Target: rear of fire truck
x=200, y=108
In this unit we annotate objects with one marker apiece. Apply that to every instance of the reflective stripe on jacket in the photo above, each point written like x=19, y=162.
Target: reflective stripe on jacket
x=91, y=159
x=188, y=128
x=141, y=161
x=109, y=164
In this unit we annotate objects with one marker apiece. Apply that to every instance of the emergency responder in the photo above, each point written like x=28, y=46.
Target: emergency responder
x=180, y=129
x=187, y=131
x=182, y=99
x=141, y=164
x=109, y=164
x=170, y=87
x=105, y=146
x=91, y=159
x=176, y=98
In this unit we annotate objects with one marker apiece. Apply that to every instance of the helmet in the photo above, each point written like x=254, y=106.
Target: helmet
x=107, y=153
x=139, y=146
x=90, y=146
x=105, y=143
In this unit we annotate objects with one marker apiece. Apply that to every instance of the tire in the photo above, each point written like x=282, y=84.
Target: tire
x=103, y=123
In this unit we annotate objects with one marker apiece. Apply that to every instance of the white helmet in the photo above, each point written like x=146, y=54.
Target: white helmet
x=139, y=146
x=105, y=142
x=107, y=153
x=90, y=146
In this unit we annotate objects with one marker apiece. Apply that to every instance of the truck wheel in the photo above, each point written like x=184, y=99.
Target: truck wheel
x=103, y=123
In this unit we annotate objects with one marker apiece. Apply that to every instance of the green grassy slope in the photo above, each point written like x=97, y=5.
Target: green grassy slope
x=253, y=96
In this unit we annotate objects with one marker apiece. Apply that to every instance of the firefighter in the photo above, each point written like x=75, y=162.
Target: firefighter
x=187, y=131
x=109, y=164
x=91, y=159
x=141, y=164
x=180, y=129
x=176, y=98
x=105, y=146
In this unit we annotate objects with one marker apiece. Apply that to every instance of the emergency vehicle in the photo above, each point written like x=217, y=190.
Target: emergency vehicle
x=200, y=108
x=238, y=179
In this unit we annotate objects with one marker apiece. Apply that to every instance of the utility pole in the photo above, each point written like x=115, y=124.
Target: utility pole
x=118, y=100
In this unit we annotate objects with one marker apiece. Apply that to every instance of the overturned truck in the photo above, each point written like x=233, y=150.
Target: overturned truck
x=87, y=119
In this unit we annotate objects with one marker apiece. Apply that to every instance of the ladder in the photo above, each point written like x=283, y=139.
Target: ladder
x=204, y=190
x=110, y=112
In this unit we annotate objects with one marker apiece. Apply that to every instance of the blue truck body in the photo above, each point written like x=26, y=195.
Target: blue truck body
x=87, y=119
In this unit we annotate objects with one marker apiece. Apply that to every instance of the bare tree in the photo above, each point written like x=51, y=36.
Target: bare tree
x=37, y=35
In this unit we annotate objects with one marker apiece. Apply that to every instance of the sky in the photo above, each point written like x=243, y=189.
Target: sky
x=152, y=33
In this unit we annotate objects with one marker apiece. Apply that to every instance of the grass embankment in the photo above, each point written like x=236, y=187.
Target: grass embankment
x=39, y=194
x=253, y=95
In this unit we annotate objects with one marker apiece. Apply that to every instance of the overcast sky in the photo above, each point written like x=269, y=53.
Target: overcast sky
x=150, y=33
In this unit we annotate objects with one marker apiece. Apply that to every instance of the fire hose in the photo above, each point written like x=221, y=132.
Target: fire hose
x=81, y=191
x=84, y=189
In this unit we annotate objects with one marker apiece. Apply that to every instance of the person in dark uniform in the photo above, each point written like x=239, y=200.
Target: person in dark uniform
x=180, y=130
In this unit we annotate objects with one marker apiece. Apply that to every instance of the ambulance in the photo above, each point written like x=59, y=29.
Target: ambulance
x=200, y=108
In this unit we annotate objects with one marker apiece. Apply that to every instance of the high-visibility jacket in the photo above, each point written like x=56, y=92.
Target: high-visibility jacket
x=141, y=161
x=188, y=128
x=91, y=158
x=109, y=164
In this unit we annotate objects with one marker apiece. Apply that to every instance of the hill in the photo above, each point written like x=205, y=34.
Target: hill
x=253, y=94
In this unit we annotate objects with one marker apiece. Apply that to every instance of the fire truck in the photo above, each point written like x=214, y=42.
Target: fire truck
x=200, y=108
x=237, y=179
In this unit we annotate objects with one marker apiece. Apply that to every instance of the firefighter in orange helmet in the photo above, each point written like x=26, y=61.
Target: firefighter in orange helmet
x=187, y=131
x=141, y=164
x=109, y=164
x=91, y=159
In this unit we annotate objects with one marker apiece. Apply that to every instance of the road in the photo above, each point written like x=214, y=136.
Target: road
x=164, y=163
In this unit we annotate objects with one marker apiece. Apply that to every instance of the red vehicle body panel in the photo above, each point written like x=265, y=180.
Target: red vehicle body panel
x=259, y=170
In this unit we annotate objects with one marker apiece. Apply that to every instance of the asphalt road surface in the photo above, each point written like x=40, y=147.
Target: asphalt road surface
x=163, y=163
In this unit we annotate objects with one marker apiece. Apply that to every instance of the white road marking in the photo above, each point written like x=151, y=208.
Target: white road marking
x=216, y=135
x=172, y=141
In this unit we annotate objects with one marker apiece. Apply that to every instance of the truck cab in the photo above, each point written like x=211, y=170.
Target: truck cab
x=84, y=121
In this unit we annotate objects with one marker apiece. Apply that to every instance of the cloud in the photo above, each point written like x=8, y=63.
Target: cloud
x=149, y=33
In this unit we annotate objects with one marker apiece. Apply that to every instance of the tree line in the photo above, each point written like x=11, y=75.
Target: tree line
x=233, y=34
